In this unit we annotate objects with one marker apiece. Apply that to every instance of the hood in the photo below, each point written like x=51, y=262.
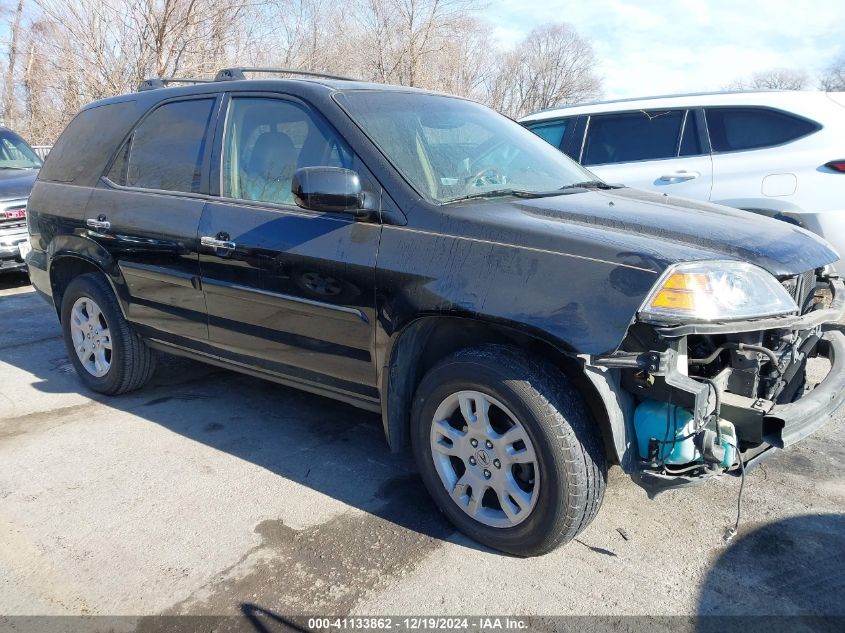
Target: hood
x=16, y=183
x=651, y=231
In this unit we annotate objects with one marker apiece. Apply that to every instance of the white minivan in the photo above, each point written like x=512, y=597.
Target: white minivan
x=779, y=153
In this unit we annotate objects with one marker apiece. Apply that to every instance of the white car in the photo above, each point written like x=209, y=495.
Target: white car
x=779, y=153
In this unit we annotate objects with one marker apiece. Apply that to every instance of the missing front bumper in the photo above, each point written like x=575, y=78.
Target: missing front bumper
x=786, y=424
x=761, y=424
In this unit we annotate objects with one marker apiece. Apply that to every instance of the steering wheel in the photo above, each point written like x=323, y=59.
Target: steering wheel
x=487, y=176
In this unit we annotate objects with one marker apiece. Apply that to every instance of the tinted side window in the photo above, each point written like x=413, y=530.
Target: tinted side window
x=734, y=129
x=550, y=131
x=88, y=142
x=165, y=151
x=622, y=138
x=267, y=140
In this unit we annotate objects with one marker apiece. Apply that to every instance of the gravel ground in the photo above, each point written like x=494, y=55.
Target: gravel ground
x=213, y=493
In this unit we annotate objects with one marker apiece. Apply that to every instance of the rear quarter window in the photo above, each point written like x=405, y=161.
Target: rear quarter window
x=734, y=129
x=83, y=150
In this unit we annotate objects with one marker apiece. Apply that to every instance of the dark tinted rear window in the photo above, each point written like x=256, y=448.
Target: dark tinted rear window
x=550, y=131
x=82, y=151
x=733, y=129
x=165, y=151
x=632, y=136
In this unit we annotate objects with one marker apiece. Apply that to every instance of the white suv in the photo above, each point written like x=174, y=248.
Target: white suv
x=781, y=154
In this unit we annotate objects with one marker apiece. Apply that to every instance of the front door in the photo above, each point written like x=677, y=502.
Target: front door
x=661, y=150
x=146, y=212
x=289, y=290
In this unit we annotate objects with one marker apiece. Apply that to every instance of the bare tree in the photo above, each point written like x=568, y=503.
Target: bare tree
x=118, y=43
x=833, y=79
x=467, y=63
x=773, y=79
x=81, y=50
x=308, y=34
x=403, y=40
x=9, y=79
x=552, y=65
x=65, y=53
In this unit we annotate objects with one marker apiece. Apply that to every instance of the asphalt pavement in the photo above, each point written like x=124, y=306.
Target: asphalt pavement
x=214, y=493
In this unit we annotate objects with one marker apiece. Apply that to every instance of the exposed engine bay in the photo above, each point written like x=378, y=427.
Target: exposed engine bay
x=713, y=398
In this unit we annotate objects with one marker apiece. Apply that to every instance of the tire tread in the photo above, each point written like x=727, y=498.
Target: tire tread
x=579, y=449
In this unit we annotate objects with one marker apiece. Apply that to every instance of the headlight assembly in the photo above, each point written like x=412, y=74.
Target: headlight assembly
x=716, y=291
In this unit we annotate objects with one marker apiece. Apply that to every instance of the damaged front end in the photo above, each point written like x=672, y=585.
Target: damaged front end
x=713, y=396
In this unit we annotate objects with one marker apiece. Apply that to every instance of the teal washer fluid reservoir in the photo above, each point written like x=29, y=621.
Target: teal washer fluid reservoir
x=650, y=422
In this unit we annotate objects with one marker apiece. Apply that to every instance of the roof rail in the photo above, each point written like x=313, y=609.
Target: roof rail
x=708, y=93
x=154, y=83
x=236, y=74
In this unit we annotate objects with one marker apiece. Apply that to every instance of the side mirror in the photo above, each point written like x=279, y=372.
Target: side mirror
x=328, y=189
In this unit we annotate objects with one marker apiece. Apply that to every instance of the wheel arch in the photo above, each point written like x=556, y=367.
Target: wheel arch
x=427, y=339
x=69, y=259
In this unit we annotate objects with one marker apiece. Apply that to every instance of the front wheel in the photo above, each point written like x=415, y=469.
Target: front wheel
x=507, y=450
x=108, y=355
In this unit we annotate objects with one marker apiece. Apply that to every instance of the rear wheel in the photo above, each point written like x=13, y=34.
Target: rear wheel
x=506, y=448
x=108, y=355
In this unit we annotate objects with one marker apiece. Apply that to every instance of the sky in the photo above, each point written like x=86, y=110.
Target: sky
x=653, y=47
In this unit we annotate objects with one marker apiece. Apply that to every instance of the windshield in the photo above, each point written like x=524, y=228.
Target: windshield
x=449, y=148
x=15, y=153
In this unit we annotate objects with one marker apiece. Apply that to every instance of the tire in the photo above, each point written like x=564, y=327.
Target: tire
x=560, y=491
x=117, y=360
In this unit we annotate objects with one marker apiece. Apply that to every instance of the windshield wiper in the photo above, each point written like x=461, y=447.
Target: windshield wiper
x=500, y=193
x=10, y=167
x=517, y=193
x=589, y=184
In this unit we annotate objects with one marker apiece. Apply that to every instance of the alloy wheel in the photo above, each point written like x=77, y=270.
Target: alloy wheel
x=91, y=336
x=485, y=459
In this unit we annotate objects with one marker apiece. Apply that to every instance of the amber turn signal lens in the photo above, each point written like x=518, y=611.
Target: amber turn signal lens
x=679, y=291
x=676, y=299
x=688, y=281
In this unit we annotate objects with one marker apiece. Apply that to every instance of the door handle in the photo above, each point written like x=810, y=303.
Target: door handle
x=680, y=176
x=98, y=224
x=215, y=243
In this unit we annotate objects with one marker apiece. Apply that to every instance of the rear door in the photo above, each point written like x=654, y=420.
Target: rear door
x=663, y=150
x=748, y=160
x=147, y=209
x=288, y=290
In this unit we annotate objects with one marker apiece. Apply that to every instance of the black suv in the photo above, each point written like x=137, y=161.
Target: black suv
x=518, y=323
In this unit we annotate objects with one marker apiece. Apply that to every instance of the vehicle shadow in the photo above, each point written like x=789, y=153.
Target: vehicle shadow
x=329, y=446
x=250, y=618
x=266, y=621
x=13, y=279
x=786, y=575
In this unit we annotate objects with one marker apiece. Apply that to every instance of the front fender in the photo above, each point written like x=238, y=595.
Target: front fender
x=577, y=303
